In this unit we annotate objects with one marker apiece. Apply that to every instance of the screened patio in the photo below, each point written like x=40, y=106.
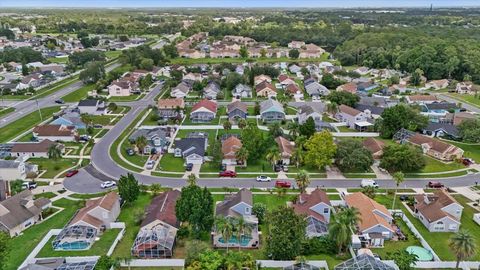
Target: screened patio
x=156, y=242
x=363, y=262
x=76, y=237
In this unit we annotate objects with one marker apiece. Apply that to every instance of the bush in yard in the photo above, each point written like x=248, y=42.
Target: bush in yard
x=195, y=206
x=128, y=188
x=16, y=186
x=402, y=158
x=105, y=263
x=319, y=245
x=351, y=156
x=259, y=210
x=4, y=249
x=193, y=249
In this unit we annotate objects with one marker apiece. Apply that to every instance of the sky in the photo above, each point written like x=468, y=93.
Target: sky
x=236, y=3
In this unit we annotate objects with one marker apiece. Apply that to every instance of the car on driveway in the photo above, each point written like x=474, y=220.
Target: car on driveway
x=29, y=185
x=263, y=178
x=467, y=161
x=189, y=167
x=227, y=174
x=108, y=184
x=130, y=152
x=150, y=164
x=435, y=184
x=71, y=173
x=282, y=184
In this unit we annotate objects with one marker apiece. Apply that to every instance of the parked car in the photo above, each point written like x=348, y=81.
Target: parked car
x=223, y=167
x=108, y=184
x=227, y=174
x=29, y=185
x=467, y=161
x=59, y=101
x=71, y=173
x=150, y=164
x=282, y=184
x=403, y=198
x=97, y=126
x=368, y=183
x=263, y=178
x=130, y=152
x=189, y=167
x=435, y=184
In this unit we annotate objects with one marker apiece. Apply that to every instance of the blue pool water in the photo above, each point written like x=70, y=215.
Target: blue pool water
x=73, y=246
x=233, y=240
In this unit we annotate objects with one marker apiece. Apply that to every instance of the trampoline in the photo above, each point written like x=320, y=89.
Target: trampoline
x=423, y=254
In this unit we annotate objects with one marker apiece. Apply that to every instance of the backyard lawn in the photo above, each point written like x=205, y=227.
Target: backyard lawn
x=53, y=167
x=98, y=248
x=22, y=245
x=25, y=123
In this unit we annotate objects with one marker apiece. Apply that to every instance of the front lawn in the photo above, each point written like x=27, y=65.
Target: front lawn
x=471, y=150
x=257, y=166
x=434, y=165
x=53, y=167
x=470, y=99
x=79, y=94
x=171, y=164
x=98, y=248
x=22, y=245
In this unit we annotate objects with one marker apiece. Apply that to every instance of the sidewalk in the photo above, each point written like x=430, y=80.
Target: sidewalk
x=467, y=192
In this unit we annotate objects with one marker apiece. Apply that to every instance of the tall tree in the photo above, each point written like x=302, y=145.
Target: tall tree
x=54, y=152
x=140, y=143
x=397, y=117
x=307, y=129
x=303, y=180
x=398, y=178
x=128, y=188
x=195, y=206
x=403, y=259
x=320, y=150
x=351, y=156
x=242, y=154
x=404, y=158
x=5, y=242
x=463, y=245
x=225, y=226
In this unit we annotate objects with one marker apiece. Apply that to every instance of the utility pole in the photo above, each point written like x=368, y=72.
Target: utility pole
x=39, y=111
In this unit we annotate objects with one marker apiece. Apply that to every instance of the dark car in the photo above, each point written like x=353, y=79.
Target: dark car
x=403, y=198
x=282, y=184
x=434, y=184
x=59, y=101
x=189, y=167
x=71, y=173
x=227, y=174
x=277, y=168
x=467, y=161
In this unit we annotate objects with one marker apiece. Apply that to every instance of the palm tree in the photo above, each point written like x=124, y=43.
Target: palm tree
x=370, y=191
x=192, y=180
x=242, y=154
x=332, y=108
x=272, y=156
x=303, y=180
x=54, y=152
x=300, y=141
x=155, y=188
x=293, y=129
x=227, y=125
x=242, y=123
x=298, y=156
x=398, y=177
x=339, y=233
x=224, y=226
x=242, y=229
x=351, y=216
x=463, y=245
x=141, y=142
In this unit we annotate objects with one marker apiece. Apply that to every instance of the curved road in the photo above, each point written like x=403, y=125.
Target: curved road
x=104, y=165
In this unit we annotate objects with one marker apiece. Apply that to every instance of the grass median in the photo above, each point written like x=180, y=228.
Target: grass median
x=25, y=123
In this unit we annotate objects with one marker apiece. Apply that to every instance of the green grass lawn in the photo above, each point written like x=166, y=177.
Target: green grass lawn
x=127, y=215
x=58, y=60
x=470, y=99
x=88, y=196
x=149, y=121
x=79, y=94
x=47, y=195
x=392, y=246
x=170, y=163
x=258, y=166
x=53, y=167
x=5, y=111
x=22, y=245
x=98, y=248
x=112, y=54
x=25, y=123
x=433, y=165
x=272, y=201
x=136, y=159
x=345, y=129
x=127, y=98
x=471, y=150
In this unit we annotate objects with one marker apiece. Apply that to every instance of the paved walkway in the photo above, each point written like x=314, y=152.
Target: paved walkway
x=379, y=173
x=467, y=192
x=334, y=173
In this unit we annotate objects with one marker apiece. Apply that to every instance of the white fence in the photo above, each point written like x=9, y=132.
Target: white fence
x=116, y=225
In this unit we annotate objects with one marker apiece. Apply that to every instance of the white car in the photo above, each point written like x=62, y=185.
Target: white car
x=150, y=164
x=108, y=184
x=263, y=178
x=368, y=183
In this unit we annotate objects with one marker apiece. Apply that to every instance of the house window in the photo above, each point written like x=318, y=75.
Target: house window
x=452, y=227
x=247, y=210
x=439, y=226
x=326, y=210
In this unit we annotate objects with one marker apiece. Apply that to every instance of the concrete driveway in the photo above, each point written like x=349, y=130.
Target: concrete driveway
x=195, y=170
x=86, y=181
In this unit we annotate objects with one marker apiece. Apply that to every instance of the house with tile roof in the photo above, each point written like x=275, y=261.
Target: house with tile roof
x=285, y=80
x=439, y=212
x=375, y=225
x=286, y=149
x=436, y=148
x=354, y=118
x=88, y=223
x=203, y=111
x=21, y=211
x=316, y=208
x=238, y=205
x=271, y=111
x=158, y=230
x=348, y=87
x=374, y=146
x=230, y=146
x=261, y=78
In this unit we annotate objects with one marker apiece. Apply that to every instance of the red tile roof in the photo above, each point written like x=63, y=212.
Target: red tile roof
x=207, y=104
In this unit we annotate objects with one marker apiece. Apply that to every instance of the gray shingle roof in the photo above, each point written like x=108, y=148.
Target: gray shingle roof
x=447, y=128
x=224, y=208
x=191, y=146
x=17, y=210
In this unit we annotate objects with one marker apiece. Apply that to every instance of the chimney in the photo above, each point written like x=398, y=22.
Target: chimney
x=425, y=198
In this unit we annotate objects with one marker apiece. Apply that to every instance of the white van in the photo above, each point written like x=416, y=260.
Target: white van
x=369, y=183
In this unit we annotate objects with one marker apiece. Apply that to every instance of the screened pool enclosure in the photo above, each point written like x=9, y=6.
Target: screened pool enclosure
x=76, y=237
x=156, y=242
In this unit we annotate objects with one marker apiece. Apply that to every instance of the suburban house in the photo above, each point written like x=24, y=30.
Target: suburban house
x=21, y=211
x=447, y=130
x=293, y=89
x=193, y=77
x=271, y=111
x=459, y=117
x=204, y=111
x=306, y=111
x=181, y=90
x=211, y=90
x=436, y=148
x=242, y=91
x=316, y=208
x=374, y=146
x=422, y=99
x=88, y=223
x=171, y=108
x=265, y=89
x=35, y=149
x=32, y=80
x=296, y=44
x=465, y=88
x=354, y=118
x=55, y=133
x=348, y=87
x=262, y=78
x=284, y=79
x=191, y=149
x=60, y=264
x=286, y=149
x=233, y=206
x=375, y=225
x=437, y=84
x=362, y=70
x=71, y=118
x=92, y=107
x=237, y=110
x=121, y=88
x=439, y=112
x=370, y=111
x=230, y=146
x=156, y=237
x=158, y=139
x=439, y=212
x=314, y=89
x=16, y=169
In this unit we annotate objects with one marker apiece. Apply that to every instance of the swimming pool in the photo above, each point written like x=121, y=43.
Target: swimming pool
x=244, y=240
x=72, y=246
x=422, y=253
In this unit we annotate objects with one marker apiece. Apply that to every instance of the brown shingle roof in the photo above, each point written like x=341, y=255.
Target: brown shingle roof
x=348, y=87
x=171, y=103
x=230, y=146
x=39, y=147
x=367, y=208
x=106, y=202
x=434, y=144
x=237, y=105
x=54, y=130
x=433, y=210
x=259, y=87
x=163, y=208
x=223, y=208
x=373, y=145
x=285, y=146
x=349, y=110
x=17, y=210
x=306, y=201
x=422, y=98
